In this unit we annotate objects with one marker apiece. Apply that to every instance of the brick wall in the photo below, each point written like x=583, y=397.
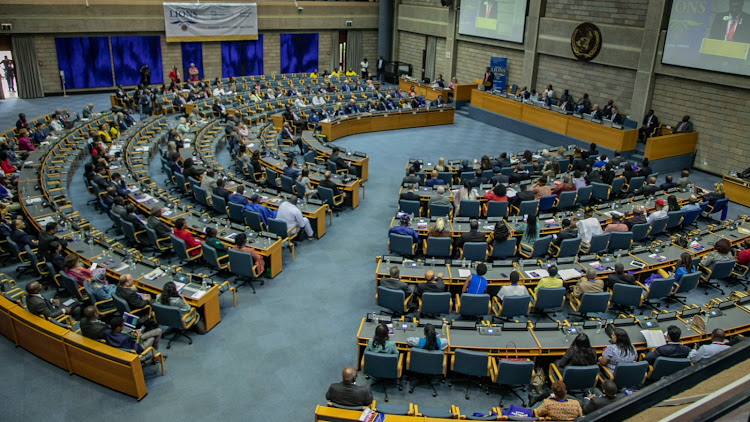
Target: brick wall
x=171, y=55
x=435, y=3
x=271, y=52
x=410, y=51
x=324, y=49
x=722, y=140
x=370, y=49
x=440, y=60
x=473, y=58
x=50, y=72
x=211, y=60
x=601, y=82
x=628, y=13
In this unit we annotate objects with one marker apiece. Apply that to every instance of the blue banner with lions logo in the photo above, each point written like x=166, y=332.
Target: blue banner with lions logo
x=499, y=66
x=210, y=21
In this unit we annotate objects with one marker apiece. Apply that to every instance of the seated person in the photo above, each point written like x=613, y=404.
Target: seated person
x=473, y=235
x=440, y=198
x=220, y=191
x=673, y=348
x=19, y=236
x=650, y=187
x=616, y=225
x=238, y=197
x=598, y=399
x=55, y=256
x=411, y=177
x=379, y=343
x=213, y=241
x=91, y=327
x=393, y=282
x=240, y=244
x=668, y=183
x=498, y=193
x=154, y=222
x=99, y=285
x=432, y=284
x=75, y=271
x=706, y=351
x=170, y=296
x=551, y=281
x=589, y=226
x=255, y=206
x=404, y=229
x=433, y=180
x=588, y=284
x=347, y=393
x=289, y=170
x=41, y=306
x=476, y=283
x=513, y=289
x=430, y=340
x=659, y=212
x=559, y=407
x=638, y=217
x=619, y=276
x=438, y=230
x=142, y=341
x=409, y=194
x=580, y=353
x=569, y=231
x=684, y=179
x=685, y=125
x=180, y=232
x=126, y=290
x=621, y=350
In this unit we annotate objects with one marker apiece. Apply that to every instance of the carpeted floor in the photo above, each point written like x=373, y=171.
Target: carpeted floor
x=274, y=355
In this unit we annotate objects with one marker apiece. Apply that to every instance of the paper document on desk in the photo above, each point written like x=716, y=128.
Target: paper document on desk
x=537, y=273
x=33, y=201
x=568, y=274
x=153, y=275
x=463, y=273
x=198, y=294
x=654, y=338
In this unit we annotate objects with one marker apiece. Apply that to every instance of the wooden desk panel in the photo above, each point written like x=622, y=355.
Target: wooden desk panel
x=497, y=104
x=737, y=190
x=6, y=324
x=40, y=337
x=366, y=123
x=671, y=145
x=462, y=92
x=427, y=91
x=616, y=139
x=546, y=119
x=105, y=365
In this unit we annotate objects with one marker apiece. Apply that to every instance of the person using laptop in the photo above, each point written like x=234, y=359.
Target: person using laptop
x=138, y=340
x=127, y=291
x=170, y=296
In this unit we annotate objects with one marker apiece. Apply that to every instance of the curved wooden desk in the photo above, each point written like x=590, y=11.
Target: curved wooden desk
x=364, y=123
x=616, y=139
x=737, y=190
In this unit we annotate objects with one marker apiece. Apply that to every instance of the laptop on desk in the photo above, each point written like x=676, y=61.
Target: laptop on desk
x=130, y=322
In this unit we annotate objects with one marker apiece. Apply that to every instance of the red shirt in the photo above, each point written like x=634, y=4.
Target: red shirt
x=490, y=196
x=743, y=257
x=7, y=167
x=189, y=240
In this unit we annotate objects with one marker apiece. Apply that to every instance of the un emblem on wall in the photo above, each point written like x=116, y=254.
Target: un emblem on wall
x=586, y=41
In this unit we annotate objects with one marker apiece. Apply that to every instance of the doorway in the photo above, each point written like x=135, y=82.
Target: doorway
x=8, y=74
x=342, y=51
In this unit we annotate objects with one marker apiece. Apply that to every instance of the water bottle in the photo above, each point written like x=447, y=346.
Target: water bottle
x=520, y=266
x=567, y=335
x=599, y=326
x=463, y=262
x=204, y=286
x=619, y=256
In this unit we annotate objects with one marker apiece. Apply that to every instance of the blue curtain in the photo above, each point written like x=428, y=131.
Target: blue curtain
x=192, y=52
x=299, y=53
x=85, y=61
x=130, y=53
x=242, y=58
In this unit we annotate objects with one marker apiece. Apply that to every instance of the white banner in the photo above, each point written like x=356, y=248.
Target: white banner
x=210, y=21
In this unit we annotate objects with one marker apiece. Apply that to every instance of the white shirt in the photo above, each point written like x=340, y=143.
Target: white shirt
x=657, y=215
x=299, y=103
x=512, y=290
x=588, y=228
x=292, y=215
x=208, y=183
x=364, y=65
x=218, y=91
x=318, y=100
x=706, y=351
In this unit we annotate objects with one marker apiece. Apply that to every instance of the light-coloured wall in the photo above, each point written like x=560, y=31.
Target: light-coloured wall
x=717, y=113
x=472, y=59
x=628, y=13
x=410, y=50
x=601, y=82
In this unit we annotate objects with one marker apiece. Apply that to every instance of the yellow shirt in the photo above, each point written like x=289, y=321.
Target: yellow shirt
x=351, y=73
x=335, y=73
x=113, y=132
x=549, y=282
x=313, y=75
x=105, y=136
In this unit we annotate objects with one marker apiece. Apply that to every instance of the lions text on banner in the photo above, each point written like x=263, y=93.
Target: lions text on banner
x=499, y=66
x=210, y=21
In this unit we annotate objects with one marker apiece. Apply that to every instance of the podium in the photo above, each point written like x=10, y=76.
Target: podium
x=729, y=49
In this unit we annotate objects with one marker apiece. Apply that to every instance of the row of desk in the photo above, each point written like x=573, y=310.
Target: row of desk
x=553, y=339
x=461, y=92
x=374, y=122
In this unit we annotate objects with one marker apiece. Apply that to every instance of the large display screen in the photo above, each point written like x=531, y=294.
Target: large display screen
x=710, y=35
x=497, y=19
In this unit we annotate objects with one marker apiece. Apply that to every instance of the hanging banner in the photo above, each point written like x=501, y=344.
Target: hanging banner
x=499, y=66
x=210, y=21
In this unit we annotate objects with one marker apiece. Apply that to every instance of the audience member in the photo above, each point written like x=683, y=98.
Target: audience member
x=558, y=407
x=673, y=349
x=621, y=350
x=706, y=351
x=430, y=341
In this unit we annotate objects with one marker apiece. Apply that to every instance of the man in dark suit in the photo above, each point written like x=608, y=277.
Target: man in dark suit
x=650, y=187
x=48, y=236
x=673, y=349
x=607, y=110
x=732, y=25
x=432, y=284
x=41, y=306
x=595, y=402
x=488, y=78
x=650, y=121
x=340, y=164
x=668, y=183
x=616, y=117
x=294, y=119
x=596, y=114
x=127, y=291
x=412, y=177
x=473, y=235
x=219, y=109
x=685, y=126
x=162, y=230
x=394, y=283
x=522, y=195
x=568, y=232
x=498, y=178
x=179, y=103
x=347, y=392
x=220, y=191
x=91, y=327
x=330, y=184
x=351, y=107
x=409, y=195
x=380, y=68
x=620, y=277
